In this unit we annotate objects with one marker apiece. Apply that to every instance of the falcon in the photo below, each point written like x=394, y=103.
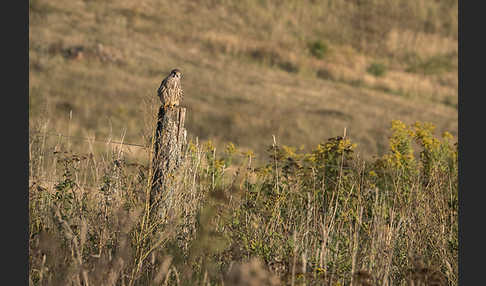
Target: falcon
x=170, y=90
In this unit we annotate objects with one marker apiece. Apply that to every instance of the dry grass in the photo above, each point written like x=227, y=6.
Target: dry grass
x=319, y=218
x=248, y=69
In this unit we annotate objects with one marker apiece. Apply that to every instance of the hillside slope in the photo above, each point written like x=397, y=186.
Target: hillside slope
x=300, y=70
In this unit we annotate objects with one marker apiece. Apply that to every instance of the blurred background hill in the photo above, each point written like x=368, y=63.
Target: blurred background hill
x=300, y=70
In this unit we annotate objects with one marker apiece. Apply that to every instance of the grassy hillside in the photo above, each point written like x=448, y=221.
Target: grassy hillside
x=301, y=70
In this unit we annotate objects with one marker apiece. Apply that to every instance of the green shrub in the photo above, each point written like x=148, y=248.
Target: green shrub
x=376, y=69
x=318, y=49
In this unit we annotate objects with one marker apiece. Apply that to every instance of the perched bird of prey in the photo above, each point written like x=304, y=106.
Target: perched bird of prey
x=170, y=90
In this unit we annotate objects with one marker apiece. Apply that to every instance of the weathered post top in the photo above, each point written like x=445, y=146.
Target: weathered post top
x=169, y=145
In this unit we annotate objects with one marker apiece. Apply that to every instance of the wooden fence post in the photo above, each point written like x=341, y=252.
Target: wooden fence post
x=170, y=142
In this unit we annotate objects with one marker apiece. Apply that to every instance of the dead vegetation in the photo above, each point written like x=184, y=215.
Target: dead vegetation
x=251, y=67
x=321, y=218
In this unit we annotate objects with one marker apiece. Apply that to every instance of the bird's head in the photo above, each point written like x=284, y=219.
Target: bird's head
x=176, y=73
